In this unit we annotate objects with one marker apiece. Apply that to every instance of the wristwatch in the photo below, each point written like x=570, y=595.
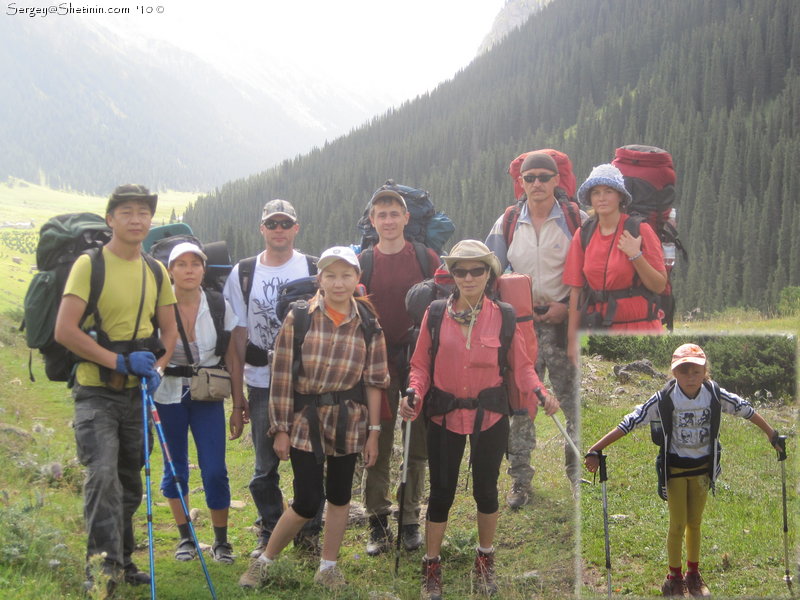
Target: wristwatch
x=160, y=371
x=373, y=427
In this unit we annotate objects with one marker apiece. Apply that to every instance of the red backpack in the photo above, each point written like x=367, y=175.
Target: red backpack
x=650, y=179
x=565, y=193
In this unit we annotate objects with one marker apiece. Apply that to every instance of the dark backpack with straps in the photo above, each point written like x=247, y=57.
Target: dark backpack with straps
x=366, y=259
x=594, y=320
x=62, y=240
x=661, y=435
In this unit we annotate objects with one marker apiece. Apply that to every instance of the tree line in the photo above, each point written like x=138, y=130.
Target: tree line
x=715, y=83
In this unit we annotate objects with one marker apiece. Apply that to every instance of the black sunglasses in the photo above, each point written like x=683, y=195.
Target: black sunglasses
x=270, y=224
x=462, y=273
x=543, y=178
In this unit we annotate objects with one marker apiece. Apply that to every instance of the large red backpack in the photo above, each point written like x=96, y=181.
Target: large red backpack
x=650, y=179
x=565, y=193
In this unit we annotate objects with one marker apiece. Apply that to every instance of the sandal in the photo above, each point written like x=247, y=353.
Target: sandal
x=185, y=550
x=222, y=552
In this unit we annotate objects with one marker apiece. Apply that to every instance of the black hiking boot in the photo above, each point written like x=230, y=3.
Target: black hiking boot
x=483, y=573
x=380, y=536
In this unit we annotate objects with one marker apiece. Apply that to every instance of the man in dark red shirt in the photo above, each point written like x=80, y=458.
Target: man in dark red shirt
x=396, y=266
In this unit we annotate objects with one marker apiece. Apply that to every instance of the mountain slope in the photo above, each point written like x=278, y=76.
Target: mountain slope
x=86, y=109
x=715, y=83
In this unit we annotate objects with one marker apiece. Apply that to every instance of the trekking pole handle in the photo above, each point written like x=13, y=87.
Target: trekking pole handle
x=409, y=393
x=603, y=472
x=780, y=440
x=540, y=395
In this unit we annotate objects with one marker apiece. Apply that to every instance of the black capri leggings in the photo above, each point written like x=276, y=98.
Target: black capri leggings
x=307, y=484
x=487, y=456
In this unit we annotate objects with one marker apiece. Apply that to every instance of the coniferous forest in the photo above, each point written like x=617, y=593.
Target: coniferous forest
x=714, y=82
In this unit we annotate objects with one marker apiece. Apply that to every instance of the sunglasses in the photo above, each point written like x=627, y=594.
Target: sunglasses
x=462, y=273
x=270, y=224
x=543, y=178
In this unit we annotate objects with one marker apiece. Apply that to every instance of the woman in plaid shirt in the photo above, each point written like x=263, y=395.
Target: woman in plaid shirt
x=327, y=412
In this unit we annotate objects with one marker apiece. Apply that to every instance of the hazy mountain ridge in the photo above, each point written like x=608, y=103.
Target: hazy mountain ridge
x=86, y=109
x=513, y=14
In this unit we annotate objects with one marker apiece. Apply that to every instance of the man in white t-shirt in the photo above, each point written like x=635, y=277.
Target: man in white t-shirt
x=251, y=289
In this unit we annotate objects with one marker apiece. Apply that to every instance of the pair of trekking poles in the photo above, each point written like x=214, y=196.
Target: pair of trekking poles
x=409, y=393
x=780, y=441
x=149, y=406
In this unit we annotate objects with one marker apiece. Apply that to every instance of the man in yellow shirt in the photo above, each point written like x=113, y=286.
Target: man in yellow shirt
x=123, y=346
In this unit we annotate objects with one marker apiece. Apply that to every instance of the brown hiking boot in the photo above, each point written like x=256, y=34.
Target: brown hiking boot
x=696, y=586
x=674, y=587
x=257, y=574
x=431, y=579
x=519, y=495
x=483, y=573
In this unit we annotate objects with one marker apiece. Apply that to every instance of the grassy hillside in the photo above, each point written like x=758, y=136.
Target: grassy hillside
x=43, y=542
x=22, y=201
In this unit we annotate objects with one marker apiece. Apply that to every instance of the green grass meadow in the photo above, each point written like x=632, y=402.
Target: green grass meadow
x=742, y=552
x=43, y=541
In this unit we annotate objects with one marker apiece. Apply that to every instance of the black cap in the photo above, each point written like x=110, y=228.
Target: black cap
x=132, y=191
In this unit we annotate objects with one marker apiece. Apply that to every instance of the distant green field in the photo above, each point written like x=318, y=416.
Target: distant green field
x=22, y=202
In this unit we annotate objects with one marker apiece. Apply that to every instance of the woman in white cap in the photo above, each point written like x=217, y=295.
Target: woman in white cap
x=617, y=276
x=688, y=410
x=205, y=321
x=457, y=378
x=328, y=371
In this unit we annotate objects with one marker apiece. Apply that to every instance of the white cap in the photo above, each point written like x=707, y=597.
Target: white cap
x=183, y=248
x=344, y=253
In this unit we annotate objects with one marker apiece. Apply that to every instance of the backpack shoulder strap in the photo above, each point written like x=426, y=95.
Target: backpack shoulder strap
x=369, y=324
x=572, y=213
x=510, y=218
x=424, y=259
x=216, y=306
x=311, y=261
x=155, y=267
x=301, y=324
x=633, y=224
x=96, y=281
x=716, y=407
x=666, y=407
x=366, y=259
x=247, y=267
x=587, y=230
x=507, y=331
x=435, y=316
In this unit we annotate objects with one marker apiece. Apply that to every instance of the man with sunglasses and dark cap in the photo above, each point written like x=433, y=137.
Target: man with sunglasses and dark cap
x=251, y=289
x=539, y=247
x=124, y=295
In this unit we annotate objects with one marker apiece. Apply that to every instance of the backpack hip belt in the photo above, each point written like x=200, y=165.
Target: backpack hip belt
x=313, y=401
x=593, y=297
x=439, y=402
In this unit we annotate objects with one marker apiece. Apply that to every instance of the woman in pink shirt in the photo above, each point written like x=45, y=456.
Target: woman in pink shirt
x=458, y=384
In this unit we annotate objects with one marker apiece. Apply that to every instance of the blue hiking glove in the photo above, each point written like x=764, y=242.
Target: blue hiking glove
x=136, y=363
x=153, y=381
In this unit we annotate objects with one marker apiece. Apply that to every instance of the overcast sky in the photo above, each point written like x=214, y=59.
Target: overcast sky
x=393, y=49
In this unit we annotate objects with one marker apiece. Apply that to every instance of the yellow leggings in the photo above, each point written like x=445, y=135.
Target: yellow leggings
x=686, y=499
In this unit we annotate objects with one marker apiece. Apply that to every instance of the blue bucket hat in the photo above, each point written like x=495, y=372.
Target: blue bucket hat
x=606, y=174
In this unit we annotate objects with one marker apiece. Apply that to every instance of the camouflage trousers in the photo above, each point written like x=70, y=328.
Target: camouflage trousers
x=553, y=363
x=110, y=443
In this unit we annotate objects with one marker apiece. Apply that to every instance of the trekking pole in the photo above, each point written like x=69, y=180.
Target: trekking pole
x=603, y=478
x=150, y=542
x=540, y=395
x=168, y=461
x=780, y=440
x=403, y=477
